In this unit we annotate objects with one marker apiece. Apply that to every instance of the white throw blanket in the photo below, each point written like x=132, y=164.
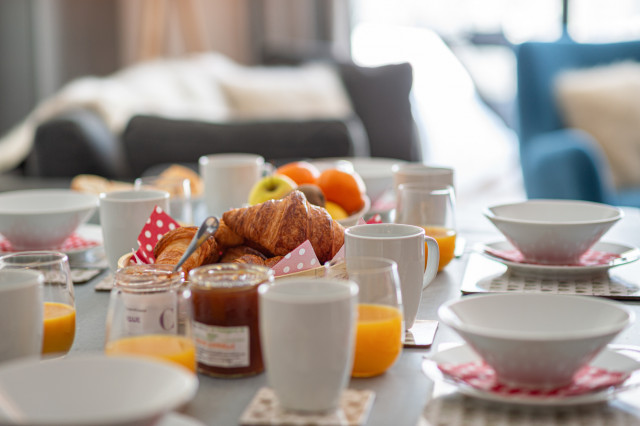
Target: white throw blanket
x=207, y=87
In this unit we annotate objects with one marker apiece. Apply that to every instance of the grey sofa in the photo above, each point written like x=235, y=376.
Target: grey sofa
x=383, y=126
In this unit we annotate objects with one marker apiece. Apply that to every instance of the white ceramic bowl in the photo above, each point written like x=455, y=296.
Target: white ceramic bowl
x=353, y=219
x=554, y=232
x=92, y=389
x=536, y=340
x=42, y=219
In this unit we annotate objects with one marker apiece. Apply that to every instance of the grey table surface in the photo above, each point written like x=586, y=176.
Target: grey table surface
x=403, y=395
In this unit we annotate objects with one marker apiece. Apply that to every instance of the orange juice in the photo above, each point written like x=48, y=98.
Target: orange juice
x=178, y=349
x=446, y=239
x=59, y=327
x=378, y=339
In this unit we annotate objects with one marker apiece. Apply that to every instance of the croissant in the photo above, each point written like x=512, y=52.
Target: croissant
x=225, y=237
x=279, y=226
x=170, y=248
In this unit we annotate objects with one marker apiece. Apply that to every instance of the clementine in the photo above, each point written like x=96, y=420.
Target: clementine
x=300, y=171
x=343, y=188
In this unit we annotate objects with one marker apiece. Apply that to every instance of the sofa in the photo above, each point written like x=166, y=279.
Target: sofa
x=561, y=159
x=381, y=124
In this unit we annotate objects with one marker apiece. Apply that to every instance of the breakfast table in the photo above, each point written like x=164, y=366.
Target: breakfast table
x=404, y=395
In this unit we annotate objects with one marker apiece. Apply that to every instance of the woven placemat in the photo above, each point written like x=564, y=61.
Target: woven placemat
x=483, y=275
x=264, y=409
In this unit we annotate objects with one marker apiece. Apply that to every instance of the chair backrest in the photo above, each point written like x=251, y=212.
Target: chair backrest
x=538, y=63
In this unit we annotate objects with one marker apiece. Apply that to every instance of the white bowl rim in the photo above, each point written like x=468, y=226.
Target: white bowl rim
x=449, y=317
x=357, y=215
x=191, y=381
x=491, y=215
x=86, y=201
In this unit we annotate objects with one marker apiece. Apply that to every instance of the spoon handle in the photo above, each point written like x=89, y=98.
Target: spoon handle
x=208, y=228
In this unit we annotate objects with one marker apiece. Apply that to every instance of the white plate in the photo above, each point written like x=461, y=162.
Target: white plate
x=627, y=255
x=607, y=359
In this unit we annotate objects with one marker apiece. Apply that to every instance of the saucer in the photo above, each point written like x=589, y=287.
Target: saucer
x=627, y=254
x=608, y=359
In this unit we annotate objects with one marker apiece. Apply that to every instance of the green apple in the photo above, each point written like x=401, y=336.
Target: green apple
x=271, y=187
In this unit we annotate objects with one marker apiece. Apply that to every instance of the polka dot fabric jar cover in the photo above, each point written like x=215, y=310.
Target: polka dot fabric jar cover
x=158, y=224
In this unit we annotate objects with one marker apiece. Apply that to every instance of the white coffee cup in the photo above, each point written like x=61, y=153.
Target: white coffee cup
x=122, y=217
x=405, y=244
x=228, y=179
x=422, y=174
x=307, y=332
x=21, y=313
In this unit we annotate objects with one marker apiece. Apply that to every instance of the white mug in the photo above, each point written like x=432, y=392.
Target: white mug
x=421, y=173
x=21, y=313
x=228, y=179
x=405, y=244
x=122, y=217
x=307, y=332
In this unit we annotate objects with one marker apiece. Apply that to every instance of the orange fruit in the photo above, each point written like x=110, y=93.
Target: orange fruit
x=300, y=171
x=343, y=188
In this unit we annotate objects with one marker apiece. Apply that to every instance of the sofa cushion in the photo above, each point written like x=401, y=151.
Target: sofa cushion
x=381, y=98
x=604, y=101
x=310, y=91
x=150, y=140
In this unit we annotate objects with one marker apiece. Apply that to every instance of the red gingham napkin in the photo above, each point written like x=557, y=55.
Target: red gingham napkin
x=74, y=242
x=158, y=224
x=590, y=258
x=481, y=376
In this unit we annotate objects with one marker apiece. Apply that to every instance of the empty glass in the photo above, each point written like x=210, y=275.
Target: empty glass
x=179, y=190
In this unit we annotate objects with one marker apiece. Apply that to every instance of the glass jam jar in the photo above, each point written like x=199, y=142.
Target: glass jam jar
x=225, y=312
x=150, y=314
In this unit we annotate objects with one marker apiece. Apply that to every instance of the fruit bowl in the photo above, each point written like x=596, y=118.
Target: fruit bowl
x=353, y=219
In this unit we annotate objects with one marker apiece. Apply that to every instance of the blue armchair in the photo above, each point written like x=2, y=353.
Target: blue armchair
x=560, y=162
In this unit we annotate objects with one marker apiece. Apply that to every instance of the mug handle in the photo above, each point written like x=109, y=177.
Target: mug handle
x=433, y=260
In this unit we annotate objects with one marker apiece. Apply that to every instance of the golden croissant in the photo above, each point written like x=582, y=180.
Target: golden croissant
x=276, y=227
x=174, y=243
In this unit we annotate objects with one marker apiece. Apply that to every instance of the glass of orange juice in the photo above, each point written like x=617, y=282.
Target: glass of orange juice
x=432, y=207
x=150, y=315
x=380, y=325
x=59, y=301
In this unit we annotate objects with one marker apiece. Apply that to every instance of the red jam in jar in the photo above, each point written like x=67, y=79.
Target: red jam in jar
x=225, y=312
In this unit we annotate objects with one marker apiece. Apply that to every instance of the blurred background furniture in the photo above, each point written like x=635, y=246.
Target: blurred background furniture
x=381, y=125
x=559, y=161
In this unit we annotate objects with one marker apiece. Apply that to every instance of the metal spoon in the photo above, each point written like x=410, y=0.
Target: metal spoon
x=208, y=228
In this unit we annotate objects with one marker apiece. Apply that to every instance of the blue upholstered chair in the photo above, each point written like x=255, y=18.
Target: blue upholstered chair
x=559, y=162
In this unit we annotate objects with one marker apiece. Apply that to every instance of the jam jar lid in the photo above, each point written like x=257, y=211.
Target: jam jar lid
x=230, y=275
x=148, y=277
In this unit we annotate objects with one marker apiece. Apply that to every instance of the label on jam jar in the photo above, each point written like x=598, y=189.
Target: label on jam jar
x=222, y=346
x=150, y=313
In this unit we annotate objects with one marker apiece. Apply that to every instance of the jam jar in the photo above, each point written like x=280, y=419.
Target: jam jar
x=225, y=313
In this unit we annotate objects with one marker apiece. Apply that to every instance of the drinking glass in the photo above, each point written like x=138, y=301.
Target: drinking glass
x=59, y=301
x=380, y=325
x=431, y=207
x=179, y=190
x=150, y=315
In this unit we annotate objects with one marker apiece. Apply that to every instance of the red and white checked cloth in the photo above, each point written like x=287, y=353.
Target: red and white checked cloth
x=479, y=375
x=74, y=242
x=590, y=258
